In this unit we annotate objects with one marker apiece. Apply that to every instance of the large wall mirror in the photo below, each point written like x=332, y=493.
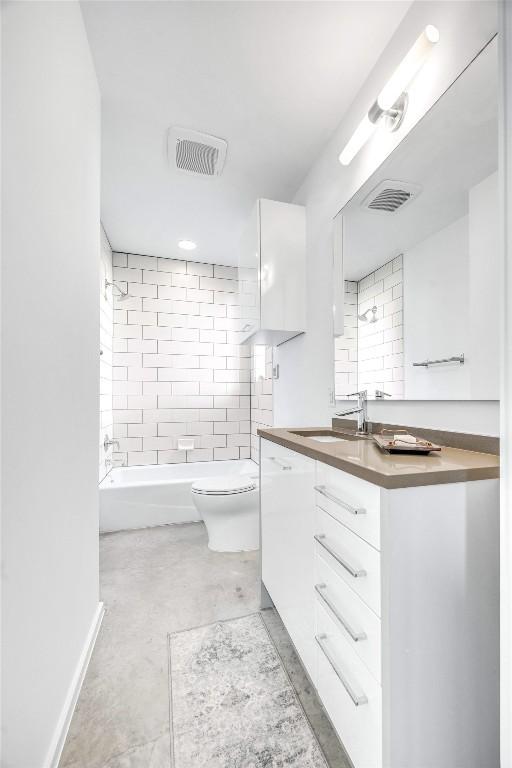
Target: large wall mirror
x=420, y=254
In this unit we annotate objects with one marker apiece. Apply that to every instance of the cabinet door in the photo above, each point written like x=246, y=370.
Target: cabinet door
x=287, y=515
x=248, y=276
x=283, y=264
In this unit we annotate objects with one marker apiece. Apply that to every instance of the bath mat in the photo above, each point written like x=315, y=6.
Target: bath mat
x=232, y=703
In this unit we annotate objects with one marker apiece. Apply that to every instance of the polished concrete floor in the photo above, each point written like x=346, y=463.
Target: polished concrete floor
x=155, y=581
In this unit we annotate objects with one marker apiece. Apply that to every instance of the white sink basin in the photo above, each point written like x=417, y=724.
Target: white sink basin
x=328, y=439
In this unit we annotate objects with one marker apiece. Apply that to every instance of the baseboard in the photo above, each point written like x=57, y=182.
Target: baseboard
x=62, y=728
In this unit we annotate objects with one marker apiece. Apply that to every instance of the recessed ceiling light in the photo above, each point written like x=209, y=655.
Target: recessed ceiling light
x=187, y=245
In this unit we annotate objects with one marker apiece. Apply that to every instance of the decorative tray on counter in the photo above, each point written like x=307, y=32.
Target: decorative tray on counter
x=390, y=441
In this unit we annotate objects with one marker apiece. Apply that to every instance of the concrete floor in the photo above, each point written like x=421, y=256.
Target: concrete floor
x=155, y=581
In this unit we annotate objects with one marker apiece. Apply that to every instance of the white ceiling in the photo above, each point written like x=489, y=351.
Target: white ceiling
x=272, y=78
x=453, y=148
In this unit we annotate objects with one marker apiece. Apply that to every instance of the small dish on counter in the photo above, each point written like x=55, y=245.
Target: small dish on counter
x=400, y=441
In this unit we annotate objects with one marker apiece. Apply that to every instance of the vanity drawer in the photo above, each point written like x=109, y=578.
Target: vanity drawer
x=352, y=501
x=350, y=694
x=357, y=623
x=355, y=561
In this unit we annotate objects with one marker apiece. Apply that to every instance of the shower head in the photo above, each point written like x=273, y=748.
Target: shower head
x=121, y=294
x=364, y=316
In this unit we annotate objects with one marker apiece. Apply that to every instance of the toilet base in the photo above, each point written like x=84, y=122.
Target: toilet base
x=231, y=520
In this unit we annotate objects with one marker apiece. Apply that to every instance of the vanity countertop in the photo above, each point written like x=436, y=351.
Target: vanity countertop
x=363, y=458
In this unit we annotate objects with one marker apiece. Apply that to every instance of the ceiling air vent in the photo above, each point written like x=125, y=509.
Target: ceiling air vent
x=390, y=196
x=195, y=153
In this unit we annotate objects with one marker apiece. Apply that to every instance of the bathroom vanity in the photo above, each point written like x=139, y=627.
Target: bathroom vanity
x=385, y=571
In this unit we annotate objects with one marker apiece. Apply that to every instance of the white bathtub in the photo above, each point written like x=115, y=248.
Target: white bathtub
x=139, y=497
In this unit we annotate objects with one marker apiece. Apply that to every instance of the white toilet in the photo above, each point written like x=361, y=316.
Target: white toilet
x=229, y=506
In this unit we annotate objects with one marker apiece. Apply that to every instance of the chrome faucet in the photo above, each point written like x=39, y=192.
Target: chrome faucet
x=107, y=442
x=360, y=409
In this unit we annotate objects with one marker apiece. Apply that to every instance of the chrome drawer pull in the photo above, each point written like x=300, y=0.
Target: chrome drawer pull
x=354, y=634
x=358, y=699
x=328, y=495
x=279, y=462
x=355, y=572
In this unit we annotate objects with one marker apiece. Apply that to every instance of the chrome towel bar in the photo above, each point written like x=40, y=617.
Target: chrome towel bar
x=428, y=363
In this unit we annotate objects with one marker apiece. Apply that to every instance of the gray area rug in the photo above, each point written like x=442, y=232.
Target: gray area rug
x=232, y=703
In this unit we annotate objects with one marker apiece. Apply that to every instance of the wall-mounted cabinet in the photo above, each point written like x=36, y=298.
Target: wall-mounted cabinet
x=272, y=273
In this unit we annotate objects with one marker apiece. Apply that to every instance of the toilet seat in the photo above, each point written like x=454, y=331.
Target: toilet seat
x=224, y=486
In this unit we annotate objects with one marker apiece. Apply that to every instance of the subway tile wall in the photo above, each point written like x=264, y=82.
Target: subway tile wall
x=181, y=380
x=106, y=321
x=380, y=362
x=261, y=394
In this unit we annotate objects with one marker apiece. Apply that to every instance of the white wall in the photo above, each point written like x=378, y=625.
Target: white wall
x=505, y=217
x=106, y=333
x=436, y=313
x=345, y=346
x=484, y=276
x=261, y=394
x=50, y=373
x=465, y=27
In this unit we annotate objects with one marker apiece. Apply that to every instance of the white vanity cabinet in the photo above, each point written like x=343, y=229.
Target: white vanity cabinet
x=287, y=496
x=272, y=273
x=405, y=609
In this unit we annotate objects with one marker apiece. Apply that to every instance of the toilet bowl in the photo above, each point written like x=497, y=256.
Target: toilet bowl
x=229, y=507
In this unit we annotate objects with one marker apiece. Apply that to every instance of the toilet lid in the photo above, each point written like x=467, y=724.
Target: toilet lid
x=224, y=485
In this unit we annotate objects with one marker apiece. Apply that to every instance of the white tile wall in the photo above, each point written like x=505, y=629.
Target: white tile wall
x=261, y=394
x=106, y=320
x=178, y=368
x=370, y=355
x=380, y=345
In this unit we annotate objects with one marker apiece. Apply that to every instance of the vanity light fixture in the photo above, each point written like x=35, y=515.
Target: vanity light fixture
x=390, y=106
x=187, y=245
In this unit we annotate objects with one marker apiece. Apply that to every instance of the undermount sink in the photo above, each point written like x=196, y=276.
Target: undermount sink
x=327, y=435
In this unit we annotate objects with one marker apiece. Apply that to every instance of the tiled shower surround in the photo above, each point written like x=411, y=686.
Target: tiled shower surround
x=179, y=373
x=370, y=355
x=380, y=352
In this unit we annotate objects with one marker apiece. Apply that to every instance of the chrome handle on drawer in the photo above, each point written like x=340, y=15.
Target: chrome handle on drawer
x=355, y=572
x=328, y=495
x=354, y=634
x=358, y=699
x=279, y=462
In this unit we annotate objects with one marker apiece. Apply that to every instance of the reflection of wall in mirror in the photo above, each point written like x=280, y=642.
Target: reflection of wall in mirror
x=450, y=288
x=380, y=363
x=370, y=354
x=345, y=347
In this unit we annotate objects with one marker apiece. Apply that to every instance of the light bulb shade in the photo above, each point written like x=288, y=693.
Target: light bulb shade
x=360, y=136
x=393, y=93
x=408, y=68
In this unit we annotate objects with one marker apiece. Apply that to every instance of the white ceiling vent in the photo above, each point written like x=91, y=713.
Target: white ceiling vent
x=193, y=152
x=390, y=196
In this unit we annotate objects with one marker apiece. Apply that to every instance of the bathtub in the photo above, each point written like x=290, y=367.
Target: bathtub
x=139, y=497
